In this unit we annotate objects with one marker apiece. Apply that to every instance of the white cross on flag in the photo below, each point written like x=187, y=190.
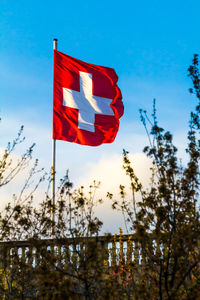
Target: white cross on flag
x=87, y=102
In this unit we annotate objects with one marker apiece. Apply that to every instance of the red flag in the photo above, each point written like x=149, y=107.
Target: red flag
x=87, y=102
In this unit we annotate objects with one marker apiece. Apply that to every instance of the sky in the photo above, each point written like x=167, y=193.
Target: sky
x=150, y=44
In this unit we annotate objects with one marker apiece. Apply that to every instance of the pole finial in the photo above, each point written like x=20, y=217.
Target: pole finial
x=55, y=44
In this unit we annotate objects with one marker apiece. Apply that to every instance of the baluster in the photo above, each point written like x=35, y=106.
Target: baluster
x=37, y=256
x=150, y=250
x=59, y=256
x=121, y=250
x=14, y=256
x=113, y=254
x=66, y=255
x=52, y=249
x=82, y=254
x=129, y=250
x=105, y=254
x=158, y=251
x=34, y=254
x=136, y=253
x=6, y=256
x=23, y=258
x=143, y=255
x=2, y=257
x=74, y=256
x=30, y=255
x=5, y=265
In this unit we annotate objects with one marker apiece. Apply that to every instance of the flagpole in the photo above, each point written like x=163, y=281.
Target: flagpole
x=53, y=170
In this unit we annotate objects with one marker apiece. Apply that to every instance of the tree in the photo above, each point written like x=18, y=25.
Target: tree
x=166, y=222
x=10, y=167
x=8, y=170
x=162, y=256
x=70, y=265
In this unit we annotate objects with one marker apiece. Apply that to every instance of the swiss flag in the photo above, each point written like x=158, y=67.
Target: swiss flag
x=87, y=102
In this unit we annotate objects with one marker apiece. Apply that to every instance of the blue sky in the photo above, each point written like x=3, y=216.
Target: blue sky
x=149, y=43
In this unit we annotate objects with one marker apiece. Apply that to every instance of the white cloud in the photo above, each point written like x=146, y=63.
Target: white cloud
x=108, y=169
x=85, y=164
x=110, y=173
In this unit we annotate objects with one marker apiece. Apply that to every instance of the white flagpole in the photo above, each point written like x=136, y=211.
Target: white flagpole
x=53, y=170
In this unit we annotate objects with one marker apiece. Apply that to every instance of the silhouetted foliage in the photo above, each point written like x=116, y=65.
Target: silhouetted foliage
x=161, y=259
x=166, y=222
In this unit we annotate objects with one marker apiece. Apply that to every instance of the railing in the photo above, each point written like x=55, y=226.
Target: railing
x=114, y=249
x=26, y=265
x=75, y=259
